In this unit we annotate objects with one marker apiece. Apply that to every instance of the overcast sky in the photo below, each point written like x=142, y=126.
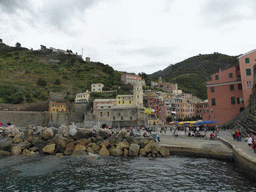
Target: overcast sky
x=132, y=35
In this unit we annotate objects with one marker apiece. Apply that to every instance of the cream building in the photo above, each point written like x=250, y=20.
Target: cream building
x=82, y=97
x=123, y=111
x=97, y=87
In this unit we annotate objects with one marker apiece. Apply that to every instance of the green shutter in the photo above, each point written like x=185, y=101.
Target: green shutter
x=213, y=101
x=247, y=60
x=248, y=72
x=233, y=100
x=230, y=75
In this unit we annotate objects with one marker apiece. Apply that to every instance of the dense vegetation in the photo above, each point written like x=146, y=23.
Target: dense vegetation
x=192, y=74
x=29, y=76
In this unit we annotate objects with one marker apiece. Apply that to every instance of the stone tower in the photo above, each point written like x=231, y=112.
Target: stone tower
x=160, y=80
x=137, y=94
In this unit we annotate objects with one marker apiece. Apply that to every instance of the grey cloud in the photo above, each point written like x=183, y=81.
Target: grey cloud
x=11, y=6
x=219, y=12
x=149, y=52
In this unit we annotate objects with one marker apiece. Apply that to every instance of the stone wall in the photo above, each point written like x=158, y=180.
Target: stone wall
x=23, y=118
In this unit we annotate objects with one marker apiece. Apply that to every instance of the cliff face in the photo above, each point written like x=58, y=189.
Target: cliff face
x=246, y=120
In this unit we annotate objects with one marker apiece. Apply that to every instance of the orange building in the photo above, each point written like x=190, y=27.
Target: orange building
x=246, y=63
x=57, y=107
x=225, y=95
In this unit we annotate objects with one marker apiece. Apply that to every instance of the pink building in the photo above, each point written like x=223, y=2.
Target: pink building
x=225, y=95
x=127, y=78
x=159, y=107
x=246, y=63
x=103, y=102
x=202, y=109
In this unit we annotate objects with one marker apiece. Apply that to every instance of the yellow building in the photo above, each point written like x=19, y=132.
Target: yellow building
x=82, y=97
x=57, y=107
x=124, y=100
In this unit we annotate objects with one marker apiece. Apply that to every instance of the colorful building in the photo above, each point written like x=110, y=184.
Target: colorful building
x=246, y=63
x=97, y=87
x=127, y=78
x=57, y=107
x=225, y=95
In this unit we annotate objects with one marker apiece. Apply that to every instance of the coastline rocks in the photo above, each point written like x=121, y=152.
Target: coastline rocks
x=49, y=148
x=142, y=152
x=27, y=152
x=149, y=146
x=72, y=132
x=60, y=142
x=4, y=153
x=18, y=137
x=164, y=152
x=122, y=145
x=134, y=150
x=105, y=133
x=116, y=152
x=39, y=144
x=84, y=134
x=63, y=130
x=103, y=151
x=5, y=144
x=47, y=134
x=123, y=134
x=126, y=152
x=69, y=148
x=79, y=147
x=84, y=142
x=16, y=150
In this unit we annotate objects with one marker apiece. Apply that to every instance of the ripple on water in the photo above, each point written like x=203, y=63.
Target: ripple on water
x=120, y=174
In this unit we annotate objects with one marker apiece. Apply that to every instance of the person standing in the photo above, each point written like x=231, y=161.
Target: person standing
x=249, y=142
x=237, y=135
x=233, y=134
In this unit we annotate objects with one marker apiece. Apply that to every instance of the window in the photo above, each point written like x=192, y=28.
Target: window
x=114, y=118
x=248, y=72
x=123, y=102
x=57, y=109
x=108, y=114
x=101, y=114
x=240, y=100
x=213, y=101
x=230, y=75
x=130, y=117
x=247, y=60
x=216, y=77
x=249, y=84
x=212, y=89
x=240, y=86
x=122, y=118
x=231, y=87
x=233, y=100
x=53, y=110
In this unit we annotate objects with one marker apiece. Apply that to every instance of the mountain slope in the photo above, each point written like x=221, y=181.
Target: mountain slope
x=191, y=74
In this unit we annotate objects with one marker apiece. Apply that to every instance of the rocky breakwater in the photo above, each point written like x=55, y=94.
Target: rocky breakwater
x=70, y=140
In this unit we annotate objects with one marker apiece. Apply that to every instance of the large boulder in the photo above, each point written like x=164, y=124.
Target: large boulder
x=116, y=152
x=40, y=144
x=123, y=134
x=11, y=130
x=49, y=148
x=37, y=130
x=103, y=151
x=47, y=134
x=132, y=140
x=63, y=130
x=84, y=134
x=5, y=144
x=155, y=148
x=122, y=145
x=106, y=143
x=164, y=151
x=69, y=148
x=79, y=147
x=79, y=153
x=16, y=150
x=94, y=146
x=149, y=146
x=25, y=145
x=18, y=137
x=114, y=139
x=72, y=127
x=126, y=152
x=72, y=132
x=27, y=152
x=105, y=133
x=4, y=153
x=84, y=142
x=143, y=152
x=134, y=150
x=90, y=150
x=60, y=142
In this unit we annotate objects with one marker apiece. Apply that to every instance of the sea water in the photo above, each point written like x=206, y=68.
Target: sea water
x=49, y=173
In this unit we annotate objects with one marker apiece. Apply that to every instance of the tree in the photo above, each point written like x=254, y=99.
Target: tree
x=18, y=45
x=41, y=82
x=57, y=82
x=169, y=119
x=146, y=78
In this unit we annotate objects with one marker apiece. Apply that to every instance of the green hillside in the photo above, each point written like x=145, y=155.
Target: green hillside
x=29, y=76
x=192, y=74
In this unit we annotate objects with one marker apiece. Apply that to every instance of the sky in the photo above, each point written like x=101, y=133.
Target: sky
x=132, y=35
